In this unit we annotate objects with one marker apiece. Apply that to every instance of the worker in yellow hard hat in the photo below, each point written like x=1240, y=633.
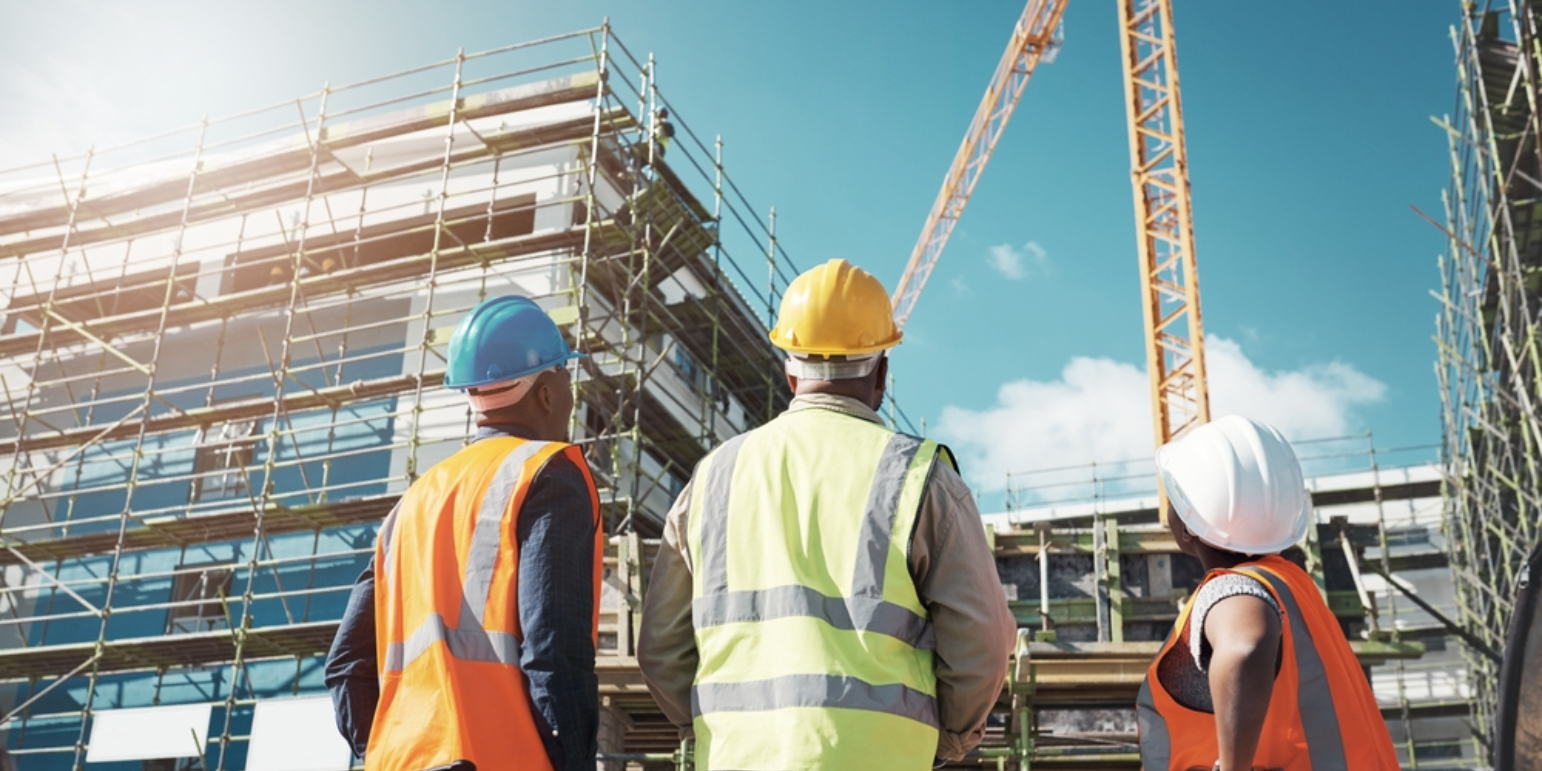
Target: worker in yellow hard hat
x=824, y=597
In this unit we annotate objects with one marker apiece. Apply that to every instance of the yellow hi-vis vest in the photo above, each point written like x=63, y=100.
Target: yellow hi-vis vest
x=815, y=650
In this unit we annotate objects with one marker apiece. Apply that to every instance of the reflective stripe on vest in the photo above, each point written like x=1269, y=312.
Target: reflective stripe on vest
x=854, y=613
x=1318, y=719
x=1156, y=746
x=714, y=523
x=1320, y=744
x=464, y=644
x=814, y=691
x=786, y=510
x=865, y=610
x=448, y=629
x=469, y=641
x=387, y=539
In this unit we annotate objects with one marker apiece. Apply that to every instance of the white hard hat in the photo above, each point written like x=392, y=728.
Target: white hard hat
x=1237, y=485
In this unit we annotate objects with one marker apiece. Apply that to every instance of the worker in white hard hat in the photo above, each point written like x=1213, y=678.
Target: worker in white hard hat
x=825, y=597
x=1256, y=673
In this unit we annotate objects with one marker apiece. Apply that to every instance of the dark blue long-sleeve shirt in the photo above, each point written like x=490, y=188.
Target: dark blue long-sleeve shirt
x=556, y=613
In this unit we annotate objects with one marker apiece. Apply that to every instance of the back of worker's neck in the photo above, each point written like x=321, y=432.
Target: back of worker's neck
x=1213, y=558
x=495, y=423
x=860, y=389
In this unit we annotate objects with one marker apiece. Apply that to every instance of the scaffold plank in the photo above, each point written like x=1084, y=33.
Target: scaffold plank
x=288, y=156
x=213, y=527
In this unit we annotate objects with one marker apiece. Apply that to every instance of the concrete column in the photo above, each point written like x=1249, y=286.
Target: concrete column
x=612, y=735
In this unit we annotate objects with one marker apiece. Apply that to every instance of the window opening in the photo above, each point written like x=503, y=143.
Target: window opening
x=220, y=462
x=204, y=591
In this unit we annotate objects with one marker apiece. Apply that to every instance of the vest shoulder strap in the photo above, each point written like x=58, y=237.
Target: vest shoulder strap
x=945, y=453
x=1319, y=715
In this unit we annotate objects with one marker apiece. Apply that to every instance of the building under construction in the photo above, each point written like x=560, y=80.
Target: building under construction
x=1112, y=581
x=223, y=349
x=1489, y=327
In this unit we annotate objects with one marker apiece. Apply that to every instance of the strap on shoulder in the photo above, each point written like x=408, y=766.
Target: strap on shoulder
x=945, y=452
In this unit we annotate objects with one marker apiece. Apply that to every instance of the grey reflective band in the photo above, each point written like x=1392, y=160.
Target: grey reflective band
x=469, y=641
x=1314, y=698
x=714, y=516
x=827, y=691
x=486, y=538
x=387, y=535
x=1155, y=744
x=878, y=521
x=865, y=610
x=463, y=644
x=1319, y=717
x=863, y=614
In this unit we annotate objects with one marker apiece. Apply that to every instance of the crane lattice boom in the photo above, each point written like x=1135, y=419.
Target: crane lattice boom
x=1164, y=222
x=1032, y=39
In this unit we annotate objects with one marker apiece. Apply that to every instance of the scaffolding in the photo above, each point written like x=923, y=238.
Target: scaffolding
x=1488, y=328
x=223, y=348
x=1114, y=578
x=1095, y=583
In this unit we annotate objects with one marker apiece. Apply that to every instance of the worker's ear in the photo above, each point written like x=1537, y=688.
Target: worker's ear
x=1182, y=536
x=879, y=384
x=541, y=392
x=537, y=401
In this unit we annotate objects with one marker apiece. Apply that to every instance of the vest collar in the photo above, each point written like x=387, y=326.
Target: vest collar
x=496, y=430
x=845, y=405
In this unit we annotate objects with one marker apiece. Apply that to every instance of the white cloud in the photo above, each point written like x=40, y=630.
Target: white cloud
x=1313, y=402
x=1017, y=264
x=960, y=286
x=1099, y=410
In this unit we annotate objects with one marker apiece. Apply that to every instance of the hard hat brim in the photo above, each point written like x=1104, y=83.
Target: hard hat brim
x=781, y=341
x=1272, y=548
x=467, y=385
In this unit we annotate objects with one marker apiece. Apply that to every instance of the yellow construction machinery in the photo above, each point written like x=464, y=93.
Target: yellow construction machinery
x=1159, y=175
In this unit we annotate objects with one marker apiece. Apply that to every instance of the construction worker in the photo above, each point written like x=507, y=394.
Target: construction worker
x=471, y=635
x=825, y=597
x=1257, y=673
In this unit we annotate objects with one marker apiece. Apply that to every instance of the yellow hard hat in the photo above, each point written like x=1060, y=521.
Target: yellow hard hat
x=835, y=309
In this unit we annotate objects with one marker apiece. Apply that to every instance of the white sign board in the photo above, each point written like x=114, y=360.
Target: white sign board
x=149, y=733
x=297, y=735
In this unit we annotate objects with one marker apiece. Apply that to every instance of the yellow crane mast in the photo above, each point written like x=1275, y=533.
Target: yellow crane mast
x=1164, y=219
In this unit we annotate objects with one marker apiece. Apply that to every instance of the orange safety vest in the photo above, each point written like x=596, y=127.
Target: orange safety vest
x=446, y=618
x=1322, y=715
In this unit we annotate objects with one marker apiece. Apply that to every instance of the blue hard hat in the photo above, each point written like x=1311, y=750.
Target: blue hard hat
x=501, y=339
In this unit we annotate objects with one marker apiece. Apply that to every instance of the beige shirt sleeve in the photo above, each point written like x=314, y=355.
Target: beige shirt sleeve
x=666, y=644
x=955, y=575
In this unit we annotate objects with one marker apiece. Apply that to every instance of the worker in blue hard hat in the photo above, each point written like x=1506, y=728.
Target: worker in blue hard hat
x=471, y=635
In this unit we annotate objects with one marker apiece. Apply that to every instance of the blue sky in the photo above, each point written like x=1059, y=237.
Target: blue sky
x=1308, y=138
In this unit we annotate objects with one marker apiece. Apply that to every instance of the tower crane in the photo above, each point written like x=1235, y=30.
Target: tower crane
x=1033, y=40
x=1159, y=175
